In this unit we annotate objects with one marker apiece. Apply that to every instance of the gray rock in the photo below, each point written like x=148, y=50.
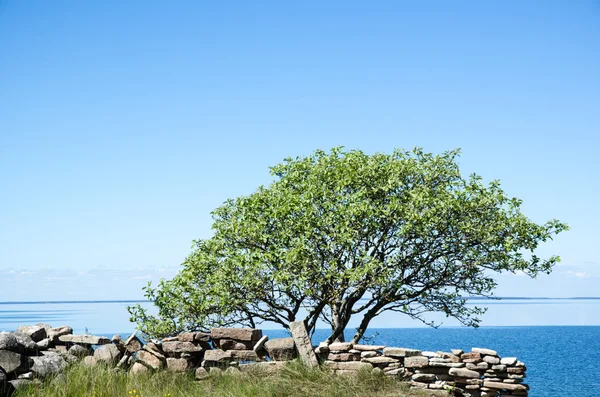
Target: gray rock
x=202, y=373
x=508, y=361
x=28, y=344
x=89, y=361
x=138, y=368
x=244, y=355
x=109, y=354
x=423, y=377
x=8, y=341
x=216, y=357
x=491, y=360
x=84, y=339
x=464, y=373
x=179, y=364
x=45, y=366
x=35, y=332
x=232, y=344
x=175, y=349
x=44, y=344
x=13, y=362
x=149, y=360
x=81, y=351
x=303, y=344
x=281, y=349
x=133, y=343
x=54, y=333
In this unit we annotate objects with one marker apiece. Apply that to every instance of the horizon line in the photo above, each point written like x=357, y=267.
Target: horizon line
x=144, y=300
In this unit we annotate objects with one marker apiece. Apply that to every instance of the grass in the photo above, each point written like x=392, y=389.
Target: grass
x=294, y=380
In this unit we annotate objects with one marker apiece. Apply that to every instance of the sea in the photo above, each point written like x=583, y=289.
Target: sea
x=558, y=339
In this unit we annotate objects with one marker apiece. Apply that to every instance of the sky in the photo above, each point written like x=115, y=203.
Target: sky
x=124, y=124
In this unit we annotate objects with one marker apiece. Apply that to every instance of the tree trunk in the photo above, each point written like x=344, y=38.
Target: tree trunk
x=338, y=324
x=364, y=324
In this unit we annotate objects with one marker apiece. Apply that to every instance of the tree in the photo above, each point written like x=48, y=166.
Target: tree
x=345, y=234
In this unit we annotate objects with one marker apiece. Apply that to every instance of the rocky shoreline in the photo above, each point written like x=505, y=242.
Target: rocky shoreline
x=36, y=352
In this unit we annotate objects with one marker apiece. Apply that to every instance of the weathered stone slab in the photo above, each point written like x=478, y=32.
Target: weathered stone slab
x=340, y=346
x=487, y=352
x=217, y=356
x=232, y=344
x=505, y=386
x=369, y=348
x=173, y=349
x=400, y=352
x=380, y=360
x=245, y=355
x=345, y=356
x=240, y=334
x=84, y=339
x=350, y=365
x=416, y=362
x=303, y=344
x=194, y=337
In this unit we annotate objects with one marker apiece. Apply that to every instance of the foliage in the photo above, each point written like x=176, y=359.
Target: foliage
x=345, y=234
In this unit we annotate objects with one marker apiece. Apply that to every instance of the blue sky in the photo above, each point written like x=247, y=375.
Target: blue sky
x=123, y=124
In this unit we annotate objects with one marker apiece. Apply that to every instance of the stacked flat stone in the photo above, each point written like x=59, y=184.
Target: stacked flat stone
x=38, y=351
x=505, y=379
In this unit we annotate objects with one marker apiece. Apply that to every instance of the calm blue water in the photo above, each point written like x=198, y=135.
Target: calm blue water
x=560, y=357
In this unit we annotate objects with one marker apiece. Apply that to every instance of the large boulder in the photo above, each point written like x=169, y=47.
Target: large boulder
x=51, y=364
x=29, y=346
x=281, y=349
x=109, y=354
x=35, y=332
x=13, y=362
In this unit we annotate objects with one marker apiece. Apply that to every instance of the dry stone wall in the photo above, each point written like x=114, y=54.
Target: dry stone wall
x=40, y=351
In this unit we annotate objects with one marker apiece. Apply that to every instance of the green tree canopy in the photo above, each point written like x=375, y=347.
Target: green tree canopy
x=342, y=233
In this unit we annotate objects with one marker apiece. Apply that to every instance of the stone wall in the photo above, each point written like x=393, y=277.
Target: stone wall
x=39, y=351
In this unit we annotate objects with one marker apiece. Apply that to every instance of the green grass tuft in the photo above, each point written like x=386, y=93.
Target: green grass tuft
x=294, y=380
